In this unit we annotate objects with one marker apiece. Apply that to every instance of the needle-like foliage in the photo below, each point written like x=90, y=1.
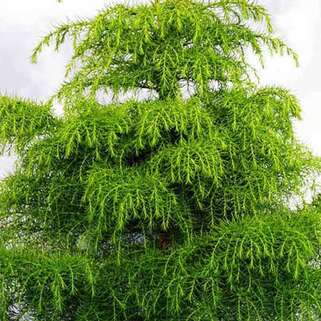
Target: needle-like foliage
x=175, y=206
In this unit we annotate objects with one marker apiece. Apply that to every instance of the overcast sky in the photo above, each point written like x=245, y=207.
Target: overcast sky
x=23, y=23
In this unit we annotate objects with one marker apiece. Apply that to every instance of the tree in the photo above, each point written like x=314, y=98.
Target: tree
x=170, y=205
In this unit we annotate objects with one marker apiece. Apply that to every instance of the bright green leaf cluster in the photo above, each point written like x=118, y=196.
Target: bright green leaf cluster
x=160, y=45
x=22, y=121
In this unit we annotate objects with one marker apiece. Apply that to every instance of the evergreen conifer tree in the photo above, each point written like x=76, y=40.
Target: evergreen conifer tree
x=172, y=204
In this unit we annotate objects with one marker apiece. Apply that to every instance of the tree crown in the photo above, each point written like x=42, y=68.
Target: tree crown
x=167, y=207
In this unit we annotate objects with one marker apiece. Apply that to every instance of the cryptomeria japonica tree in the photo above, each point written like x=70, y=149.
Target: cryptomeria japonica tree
x=172, y=204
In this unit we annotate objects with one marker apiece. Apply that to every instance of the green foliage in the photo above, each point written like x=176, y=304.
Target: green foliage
x=243, y=269
x=118, y=198
x=167, y=208
x=49, y=282
x=157, y=46
x=22, y=121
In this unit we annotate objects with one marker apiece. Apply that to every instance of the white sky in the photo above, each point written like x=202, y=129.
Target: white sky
x=23, y=23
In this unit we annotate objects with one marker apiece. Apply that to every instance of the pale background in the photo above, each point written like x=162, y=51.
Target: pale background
x=22, y=23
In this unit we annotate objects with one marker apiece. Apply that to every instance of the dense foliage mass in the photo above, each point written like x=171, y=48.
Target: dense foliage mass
x=172, y=204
